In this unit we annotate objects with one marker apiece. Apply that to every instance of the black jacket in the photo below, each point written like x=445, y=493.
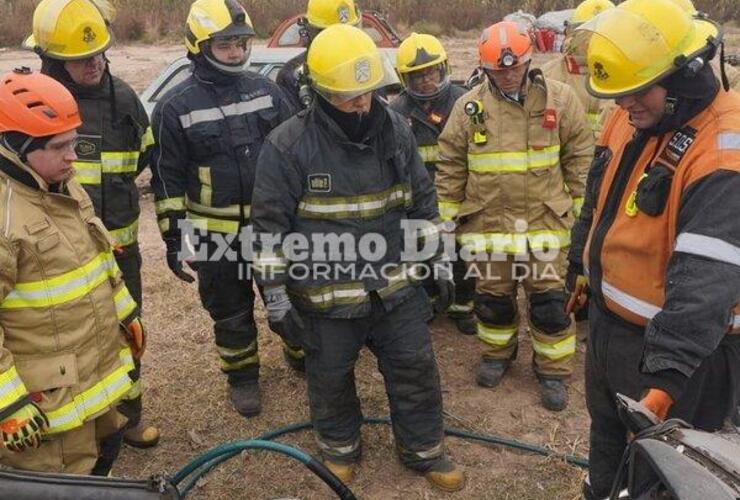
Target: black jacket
x=209, y=131
x=288, y=78
x=427, y=124
x=313, y=181
x=115, y=146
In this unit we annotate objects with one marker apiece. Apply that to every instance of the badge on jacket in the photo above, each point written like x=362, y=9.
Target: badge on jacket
x=319, y=183
x=550, y=119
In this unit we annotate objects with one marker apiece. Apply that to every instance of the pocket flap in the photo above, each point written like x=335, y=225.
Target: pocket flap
x=561, y=207
x=47, y=242
x=48, y=372
x=36, y=226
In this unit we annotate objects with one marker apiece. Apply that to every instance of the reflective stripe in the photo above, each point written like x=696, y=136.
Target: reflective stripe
x=566, y=347
x=515, y=243
x=63, y=288
x=169, y=204
x=728, y=140
x=125, y=303
x=11, y=387
x=272, y=263
x=577, y=206
x=230, y=211
x=137, y=389
x=237, y=365
x=88, y=172
x=496, y=335
x=212, y=114
x=205, y=223
x=119, y=162
x=338, y=450
x=508, y=162
x=147, y=139
x=206, y=191
x=125, y=236
x=230, y=352
x=103, y=394
x=433, y=452
x=593, y=120
x=707, y=246
x=632, y=304
x=370, y=205
x=328, y=296
x=164, y=225
x=429, y=154
x=460, y=308
x=448, y=209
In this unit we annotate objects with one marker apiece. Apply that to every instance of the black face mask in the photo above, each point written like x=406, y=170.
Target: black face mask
x=354, y=125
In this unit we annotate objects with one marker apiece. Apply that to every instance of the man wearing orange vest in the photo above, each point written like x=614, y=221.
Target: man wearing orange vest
x=662, y=253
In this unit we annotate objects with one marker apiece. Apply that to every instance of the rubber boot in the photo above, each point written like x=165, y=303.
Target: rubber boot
x=446, y=475
x=245, y=397
x=466, y=324
x=141, y=436
x=296, y=364
x=345, y=472
x=553, y=394
x=491, y=371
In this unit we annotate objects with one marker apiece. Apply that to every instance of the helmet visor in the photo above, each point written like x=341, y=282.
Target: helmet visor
x=427, y=82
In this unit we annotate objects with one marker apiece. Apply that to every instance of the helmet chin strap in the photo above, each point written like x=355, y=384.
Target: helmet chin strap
x=228, y=69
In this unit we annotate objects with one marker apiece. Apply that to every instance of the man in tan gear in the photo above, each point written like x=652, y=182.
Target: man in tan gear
x=512, y=166
x=64, y=360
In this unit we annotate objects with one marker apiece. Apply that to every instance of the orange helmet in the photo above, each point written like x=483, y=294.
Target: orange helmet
x=36, y=105
x=504, y=45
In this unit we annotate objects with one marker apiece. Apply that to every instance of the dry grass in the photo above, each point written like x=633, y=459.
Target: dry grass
x=154, y=20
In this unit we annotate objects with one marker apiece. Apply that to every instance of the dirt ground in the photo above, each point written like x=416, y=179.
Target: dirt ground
x=186, y=394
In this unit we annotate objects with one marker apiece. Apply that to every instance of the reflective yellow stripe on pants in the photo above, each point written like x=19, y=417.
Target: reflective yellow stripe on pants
x=515, y=243
x=125, y=236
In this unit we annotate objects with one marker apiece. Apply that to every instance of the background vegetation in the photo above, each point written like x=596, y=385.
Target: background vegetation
x=150, y=21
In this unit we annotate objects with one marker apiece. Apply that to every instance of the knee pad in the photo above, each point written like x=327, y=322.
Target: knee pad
x=495, y=309
x=547, y=311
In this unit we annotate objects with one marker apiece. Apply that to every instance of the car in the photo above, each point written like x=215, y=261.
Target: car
x=263, y=60
x=288, y=33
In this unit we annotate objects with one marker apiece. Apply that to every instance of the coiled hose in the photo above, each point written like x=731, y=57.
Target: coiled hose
x=189, y=475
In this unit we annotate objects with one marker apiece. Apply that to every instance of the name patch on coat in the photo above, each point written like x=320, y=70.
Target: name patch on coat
x=319, y=183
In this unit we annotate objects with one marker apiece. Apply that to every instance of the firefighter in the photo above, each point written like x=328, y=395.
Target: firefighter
x=347, y=168
x=511, y=172
x=64, y=359
x=662, y=253
x=209, y=131
x=426, y=101
x=71, y=38
x=570, y=67
x=319, y=15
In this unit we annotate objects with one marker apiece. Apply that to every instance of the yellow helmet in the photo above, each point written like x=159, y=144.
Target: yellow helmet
x=587, y=10
x=210, y=19
x=71, y=29
x=343, y=63
x=687, y=6
x=640, y=42
x=323, y=13
x=420, y=52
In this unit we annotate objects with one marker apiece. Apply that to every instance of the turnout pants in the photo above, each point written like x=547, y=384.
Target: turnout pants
x=553, y=334
x=400, y=341
x=73, y=452
x=612, y=365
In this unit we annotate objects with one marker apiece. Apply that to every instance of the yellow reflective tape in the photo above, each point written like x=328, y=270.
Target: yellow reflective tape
x=63, y=288
x=100, y=396
x=227, y=367
x=460, y=308
x=125, y=303
x=11, y=387
x=215, y=225
x=448, y=209
x=270, y=262
x=164, y=225
x=429, y=154
x=511, y=162
x=364, y=206
x=119, y=162
x=327, y=296
x=230, y=352
x=230, y=211
x=169, y=205
x=147, y=139
x=206, y=192
x=125, y=236
x=577, y=206
x=499, y=335
x=515, y=243
x=88, y=172
x=566, y=347
x=137, y=389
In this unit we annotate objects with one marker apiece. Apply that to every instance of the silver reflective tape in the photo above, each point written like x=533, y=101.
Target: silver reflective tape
x=213, y=114
x=707, y=246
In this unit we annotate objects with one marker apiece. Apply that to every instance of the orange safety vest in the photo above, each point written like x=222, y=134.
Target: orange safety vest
x=637, y=247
